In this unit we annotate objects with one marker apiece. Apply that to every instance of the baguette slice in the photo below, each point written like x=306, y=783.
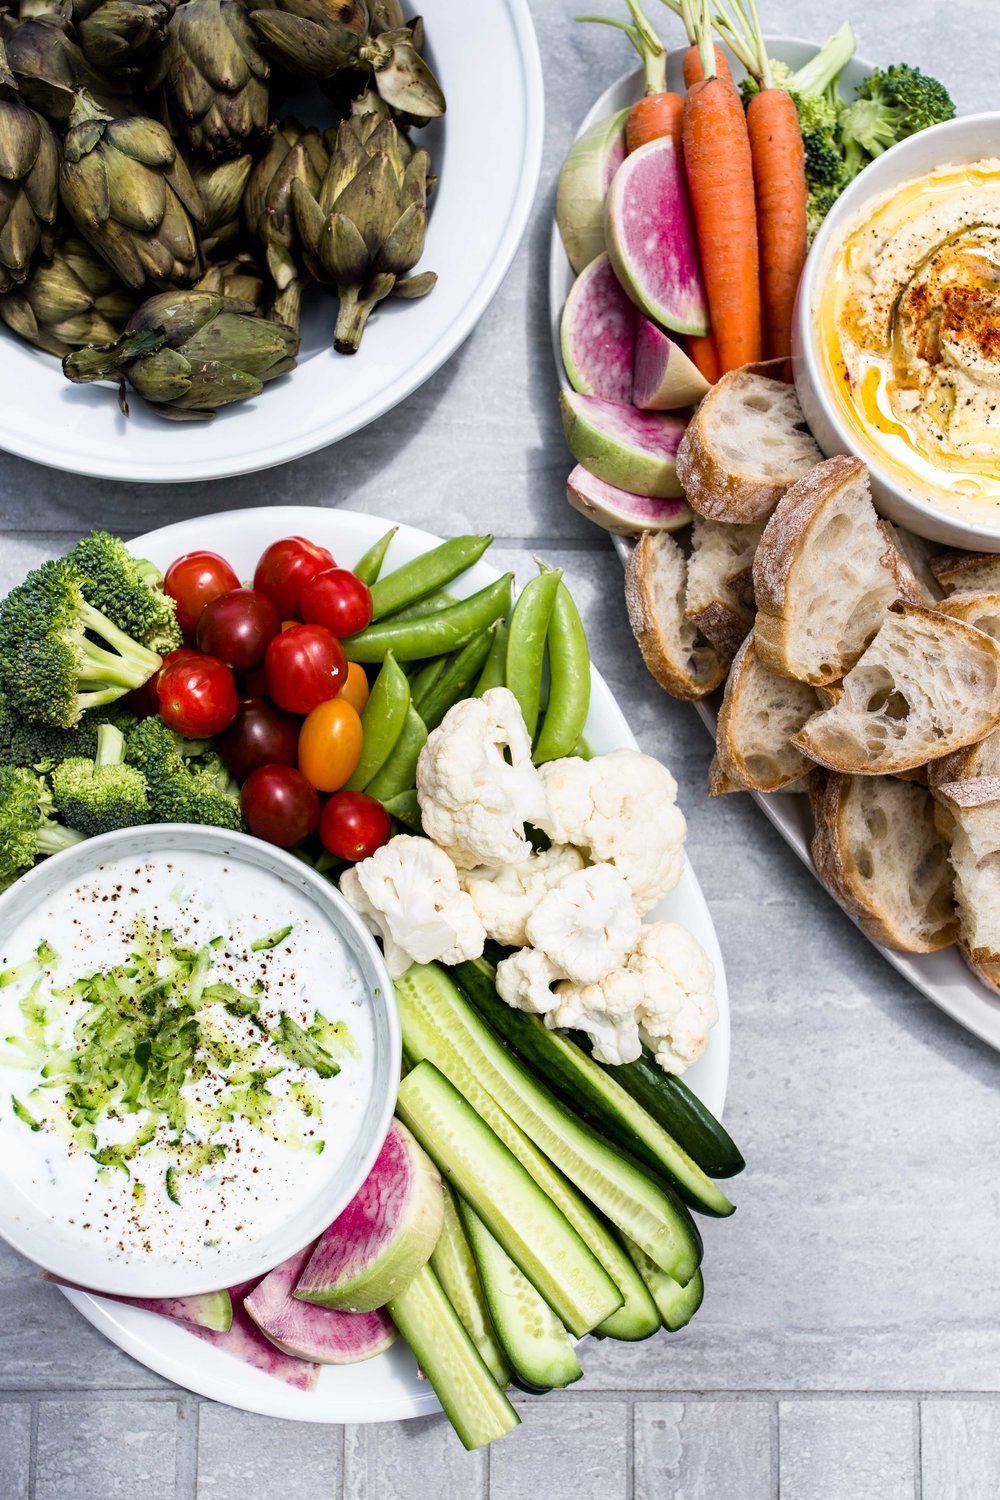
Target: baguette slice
x=969, y=764
x=876, y=848
x=719, y=599
x=979, y=610
x=972, y=810
x=967, y=572
x=759, y=714
x=927, y=685
x=682, y=660
x=823, y=574
x=746, y=444
x=919, y=556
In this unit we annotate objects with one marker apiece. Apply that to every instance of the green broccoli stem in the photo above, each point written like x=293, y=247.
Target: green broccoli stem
x=815, y=76
x=110, y=746
x=148, y=572
x=137, y=657
x=53, y=837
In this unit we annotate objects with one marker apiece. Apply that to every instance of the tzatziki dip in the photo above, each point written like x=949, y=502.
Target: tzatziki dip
x=186, y=1054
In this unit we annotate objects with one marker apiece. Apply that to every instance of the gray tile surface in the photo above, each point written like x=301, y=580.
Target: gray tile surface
x=860, y=1273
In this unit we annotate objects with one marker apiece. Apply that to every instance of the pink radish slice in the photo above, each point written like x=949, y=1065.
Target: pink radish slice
x=584, y=180
x=618, y=510
x=245, y=1342
x=649, y=235
x=316, y=1333
x=208, y=1310
x=598, y=334
x=634, y=450
x=384, y=1235
x=664, y=378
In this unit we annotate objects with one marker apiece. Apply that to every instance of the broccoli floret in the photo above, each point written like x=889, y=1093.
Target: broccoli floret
x=42, y=746
x=187, y=784
x=27, y=827
x=51, y=668
x=100, y=794
x=818, y=205
x=127, y=590
x=812, y=86
x=892, y=104
x=824, y=162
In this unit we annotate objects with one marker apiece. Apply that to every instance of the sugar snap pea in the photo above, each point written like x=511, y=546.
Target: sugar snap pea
x=430, y=571
x=429, y=605
x=382, y=721
x=455, y=681
x=399, y=773
x=529, y=625
x=569, y=681
x=369, y=564
x=406, y=808
x=494, y=671
x=423, y=679
x=412, y=640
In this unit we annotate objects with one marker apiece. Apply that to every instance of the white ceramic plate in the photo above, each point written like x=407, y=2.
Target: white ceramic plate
x=487, y=59
x=385, y=1388
x=942, y=976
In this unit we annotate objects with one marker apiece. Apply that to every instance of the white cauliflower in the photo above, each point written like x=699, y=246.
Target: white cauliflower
x=605, y=1011
x=587, y=925
x=677, y=1008
x=476, y=784
x=621, y=808
x=525, y=980
x=505, y=898
x=408, y=894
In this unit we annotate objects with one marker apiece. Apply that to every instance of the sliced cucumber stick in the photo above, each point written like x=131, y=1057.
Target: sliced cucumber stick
x=454, y=1265
x=677, y=1304
x=673, y=1105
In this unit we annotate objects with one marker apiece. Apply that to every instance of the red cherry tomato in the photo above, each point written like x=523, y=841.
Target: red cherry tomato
x=353, y=825
x=260, y=735
x=193, y=581
x=337, y=599
x=279, y=805
x=305, y=666
x=144, y=701
x=236, y=628
x=197, y=696
x=284, y=567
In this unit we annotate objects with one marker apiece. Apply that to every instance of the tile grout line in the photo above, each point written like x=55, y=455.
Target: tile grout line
x=42, y=1395
x=630, y=1450
x=33, y=1450
x=918, y=1449
x=188, y=1432
x=776, y=1449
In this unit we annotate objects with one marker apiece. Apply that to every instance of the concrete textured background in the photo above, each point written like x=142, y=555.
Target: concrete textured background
x=849, y=1345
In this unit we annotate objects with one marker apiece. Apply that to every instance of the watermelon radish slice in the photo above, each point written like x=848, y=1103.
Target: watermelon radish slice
x=314, y=1333
x=598, y=334
x=383, y=1237
x=663, y=376
x=649, y=235
x=244, y=1341
x=634, y=450
x=583, y=183
x=207, y=1310
x=618, y=511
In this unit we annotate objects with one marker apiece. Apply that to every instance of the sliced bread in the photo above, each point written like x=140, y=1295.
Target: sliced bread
x=877, y=849
x=967, y=572
x=746, y=444
x=972, y=811
x=979, y=610
x=760, y=712
x=719, y=599
x=823, y=574
x=969, y=764
x=682, y=660
x=927, y=685
x=919, y=556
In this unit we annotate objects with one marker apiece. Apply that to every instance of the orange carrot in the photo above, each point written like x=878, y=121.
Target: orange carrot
x=693, y=71
x=658, y=113
x=654, y=116
x=702, y=352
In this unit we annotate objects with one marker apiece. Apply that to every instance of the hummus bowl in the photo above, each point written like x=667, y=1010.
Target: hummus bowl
x=896, y=338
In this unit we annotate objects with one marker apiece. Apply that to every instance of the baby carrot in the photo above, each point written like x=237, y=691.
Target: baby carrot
x=658, y=113
x=692, y=68
x=702, y=352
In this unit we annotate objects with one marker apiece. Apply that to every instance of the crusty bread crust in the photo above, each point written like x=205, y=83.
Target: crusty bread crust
x=967, y=572
x=980, y=610
x=759, y=712
x=719, y=598
x=971, y=811
x=684, y=663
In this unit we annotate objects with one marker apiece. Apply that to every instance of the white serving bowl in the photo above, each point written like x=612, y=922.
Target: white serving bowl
x=969, y=138
x=73, y=1259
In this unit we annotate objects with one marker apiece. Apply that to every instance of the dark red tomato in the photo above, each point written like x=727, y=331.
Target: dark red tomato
x=193, y=581
x=305, y=665
x=279, y=805
x=337, y=599
x=254, y=683
x=352, y=825
x=236, y=628
x=144, y=701
x=284, y=567
x=260, y=735
x=197, y=696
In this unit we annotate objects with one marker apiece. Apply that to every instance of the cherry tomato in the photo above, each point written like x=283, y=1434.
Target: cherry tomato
x=279, y=805
x=193, y=581
x=355, y=690
x=260, y=735
x=284, y=567
x=330, y=744
x=144, y=701
x=236, y=628
x=255, y=683
x=305, y=666
x=337, y=599
x=197, y=696
x=353, y=825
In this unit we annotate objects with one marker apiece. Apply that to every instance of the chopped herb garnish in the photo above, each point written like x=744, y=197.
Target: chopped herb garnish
x=24, y=1115
x=271, y=941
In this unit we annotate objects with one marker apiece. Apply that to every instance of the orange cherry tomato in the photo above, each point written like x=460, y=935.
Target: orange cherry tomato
x=290, y=624
x=355, y=689
x=330, y=744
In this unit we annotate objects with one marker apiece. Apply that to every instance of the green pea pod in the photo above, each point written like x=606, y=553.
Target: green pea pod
x=400, y=771
x=440, y=599
x=494, y=673
x=526, y=643
x=569, y=681
x=430, y=571
x=455, y=681
x=423, y=680
x=382, y=721
x=369, y=565
x=406, y=809
x=413, y=640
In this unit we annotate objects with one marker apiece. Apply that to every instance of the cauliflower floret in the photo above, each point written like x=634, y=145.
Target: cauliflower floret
x=505, y=898
x=525, y=980
x=677, y=1008
x=605, y=1011
x=476, y=784
x=588, y=925
x=408, y=894
x=620, y=807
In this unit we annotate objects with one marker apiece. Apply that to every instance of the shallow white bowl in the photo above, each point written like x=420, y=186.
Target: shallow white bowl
x=29, y=1230
x=966, y=139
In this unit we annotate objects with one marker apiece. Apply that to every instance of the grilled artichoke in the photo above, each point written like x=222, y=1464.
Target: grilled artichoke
x=119, y=36
x=294, y=155
x=130, y=194
x=188, y=353
x=68, y=302
x=214, y=77
x=29, y=182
